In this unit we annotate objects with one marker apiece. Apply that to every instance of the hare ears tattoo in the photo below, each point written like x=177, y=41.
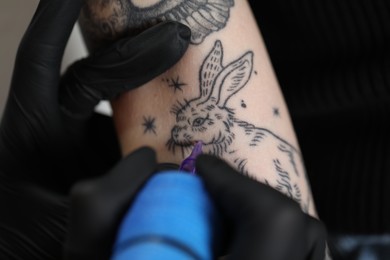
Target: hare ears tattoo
x=218, y=82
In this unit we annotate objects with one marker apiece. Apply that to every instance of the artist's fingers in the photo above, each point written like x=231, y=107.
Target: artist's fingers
x=38, y=61
x=125, y=65
x=99, y=205
x=230, y=188
x=133, y=61
x=316, y=237
x=268, y=224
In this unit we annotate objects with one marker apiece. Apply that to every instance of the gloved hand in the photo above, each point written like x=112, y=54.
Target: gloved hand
x=41, y=147
x=267, y=224
x=125, y=65
x=98, y=206
x=34, y=125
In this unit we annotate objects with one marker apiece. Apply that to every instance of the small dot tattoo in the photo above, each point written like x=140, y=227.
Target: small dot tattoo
x=276, y=112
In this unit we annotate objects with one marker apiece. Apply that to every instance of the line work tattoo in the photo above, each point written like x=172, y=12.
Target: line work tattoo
x=202, y=16
x=209, y=119
x=149, y=125
x=176, y=84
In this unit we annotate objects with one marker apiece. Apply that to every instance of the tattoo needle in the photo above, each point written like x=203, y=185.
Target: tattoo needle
x=188, y=163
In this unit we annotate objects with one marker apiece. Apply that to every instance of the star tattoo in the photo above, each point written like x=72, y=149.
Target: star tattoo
x=149, y=125
x=176, y=84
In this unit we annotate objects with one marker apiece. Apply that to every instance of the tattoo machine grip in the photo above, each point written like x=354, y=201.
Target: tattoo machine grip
x=171, y=218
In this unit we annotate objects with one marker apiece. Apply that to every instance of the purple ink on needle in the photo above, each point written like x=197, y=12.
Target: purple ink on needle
x=188, y=164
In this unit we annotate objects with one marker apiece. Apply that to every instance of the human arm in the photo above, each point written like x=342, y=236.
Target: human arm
x=236, y=108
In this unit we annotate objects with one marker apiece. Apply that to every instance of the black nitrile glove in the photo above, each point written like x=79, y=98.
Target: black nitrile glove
x=43, y=149
x=39, y=123
x=98, y=206
x=33, y=139
x=123, y=66
x=266, y=224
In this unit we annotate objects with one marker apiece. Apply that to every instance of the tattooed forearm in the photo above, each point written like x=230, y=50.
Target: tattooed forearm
x=107, y=19
x=209, y=118
x=224, y=124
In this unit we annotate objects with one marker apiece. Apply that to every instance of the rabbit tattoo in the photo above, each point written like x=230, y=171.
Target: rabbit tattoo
x=208, y=119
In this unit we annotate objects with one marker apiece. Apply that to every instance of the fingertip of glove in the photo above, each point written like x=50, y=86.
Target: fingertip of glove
x=204, y=161
x=184, y=32
x=211, y=167
x=143, y=158
x=316, y=229
x=317, y=237
x=215, y=170
x=143, y=153
x=210, y=160
x=177, y=35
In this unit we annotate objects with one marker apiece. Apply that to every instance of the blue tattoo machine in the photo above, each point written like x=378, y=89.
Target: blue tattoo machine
x=171, y=218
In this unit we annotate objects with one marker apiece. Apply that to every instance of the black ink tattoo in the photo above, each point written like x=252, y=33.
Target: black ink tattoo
x=102, y=22
x=175, y=84
x=284, y=183
x=202, y=16
x=149, y=125
x=243, y=105
x=276, y=112
x=209, y=119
